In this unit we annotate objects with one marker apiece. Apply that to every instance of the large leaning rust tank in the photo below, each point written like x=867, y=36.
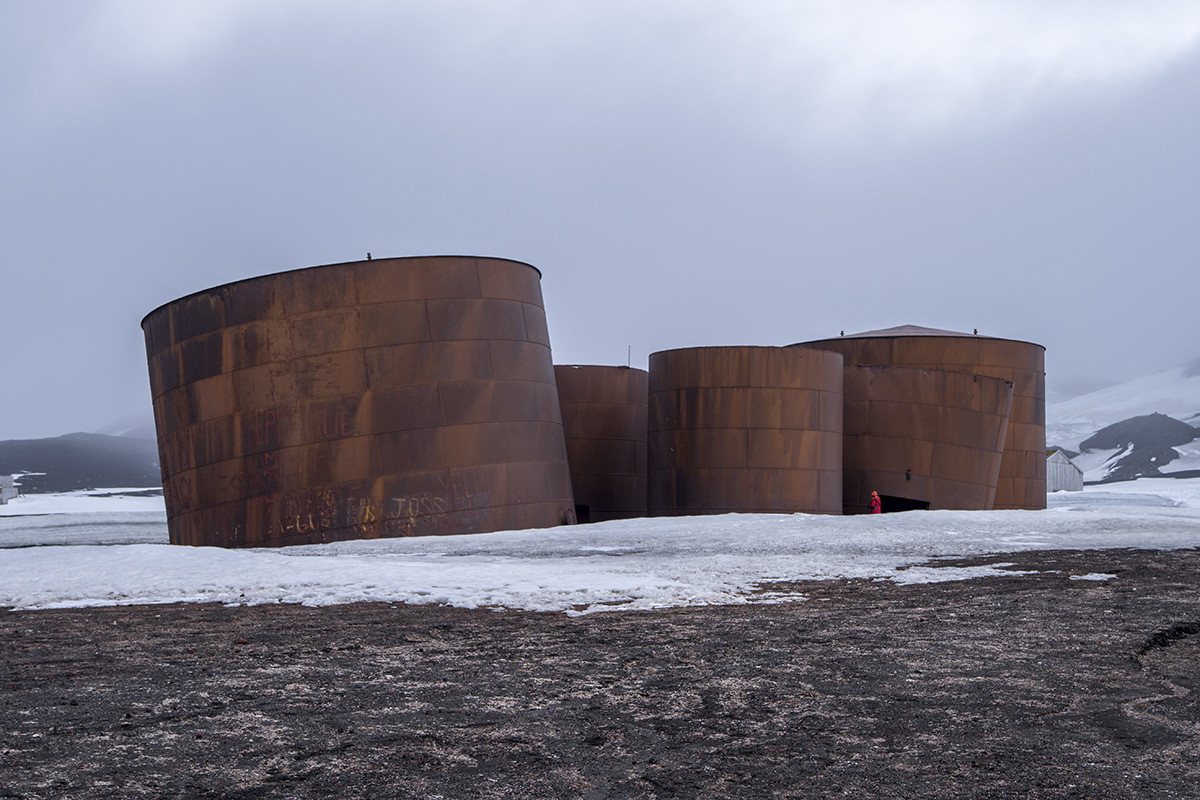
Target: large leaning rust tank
x=745, y=429
x=604, y=422
x=922, y=438
x=1021, y=481
x=386, y=397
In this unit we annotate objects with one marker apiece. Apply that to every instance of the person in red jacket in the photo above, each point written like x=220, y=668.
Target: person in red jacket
x=876, y=503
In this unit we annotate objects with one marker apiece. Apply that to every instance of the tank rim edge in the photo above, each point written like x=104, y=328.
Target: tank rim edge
x=730, y=347
x=599, y=366
x=227, y=284
x=968, y=336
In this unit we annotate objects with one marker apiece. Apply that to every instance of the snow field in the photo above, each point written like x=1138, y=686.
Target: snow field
x=115, y=557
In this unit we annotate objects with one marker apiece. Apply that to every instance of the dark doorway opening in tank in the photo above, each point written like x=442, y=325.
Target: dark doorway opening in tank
x=892, y=503
x=583, y=513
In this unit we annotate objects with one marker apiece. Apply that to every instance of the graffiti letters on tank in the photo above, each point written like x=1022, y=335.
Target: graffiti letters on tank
x=335, y=425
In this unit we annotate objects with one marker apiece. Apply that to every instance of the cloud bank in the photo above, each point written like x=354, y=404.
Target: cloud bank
x=813, y=72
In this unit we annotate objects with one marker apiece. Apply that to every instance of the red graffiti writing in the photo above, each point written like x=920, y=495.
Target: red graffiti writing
x=335, y=424
x=263, y=428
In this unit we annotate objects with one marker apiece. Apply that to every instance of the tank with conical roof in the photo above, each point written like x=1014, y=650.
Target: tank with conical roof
x=1021, y=478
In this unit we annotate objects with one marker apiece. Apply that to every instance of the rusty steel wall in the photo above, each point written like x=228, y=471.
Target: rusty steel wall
x=745, y=429
x=391, y=397
x=926, y=435
x=1022, y=480
x=604, y=422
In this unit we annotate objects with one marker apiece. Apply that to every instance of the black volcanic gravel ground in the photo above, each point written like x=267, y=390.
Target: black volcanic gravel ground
x=1036, y=686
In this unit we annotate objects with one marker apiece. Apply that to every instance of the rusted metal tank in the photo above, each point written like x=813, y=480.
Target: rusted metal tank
x=1022, y=479
x=745, y=429
x=391, y=397
x=922, y=438
x=604, y=421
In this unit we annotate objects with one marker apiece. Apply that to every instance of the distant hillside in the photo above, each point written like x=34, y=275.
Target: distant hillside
x=1134, y=429
x=1139, y=447
x=80, y=461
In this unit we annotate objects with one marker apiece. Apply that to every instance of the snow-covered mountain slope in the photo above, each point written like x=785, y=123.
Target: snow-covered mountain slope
x=1174, y=392
x=1120, y=432
x=1146, y=446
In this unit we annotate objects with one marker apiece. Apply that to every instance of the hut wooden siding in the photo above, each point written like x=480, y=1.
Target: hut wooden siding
x=1062, y=475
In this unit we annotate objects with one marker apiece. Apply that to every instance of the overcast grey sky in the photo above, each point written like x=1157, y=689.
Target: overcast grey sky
x=682, y=172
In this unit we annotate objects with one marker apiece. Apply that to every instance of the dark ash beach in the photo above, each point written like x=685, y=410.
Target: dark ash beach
x=1033, y=686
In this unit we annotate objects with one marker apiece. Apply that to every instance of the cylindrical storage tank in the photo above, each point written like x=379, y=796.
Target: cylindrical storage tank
x=922, y=438
x=1022, y=479
x=745, y=429
x=604, y=422
x=392, y=397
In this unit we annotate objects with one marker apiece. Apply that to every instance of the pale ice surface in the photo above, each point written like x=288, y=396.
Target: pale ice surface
x=99, y=517
x=120, y=556
x=93, y=501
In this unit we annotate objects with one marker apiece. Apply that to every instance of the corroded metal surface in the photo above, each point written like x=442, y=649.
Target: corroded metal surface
x=750, y=429
x=376, y=398
x=1022, y=479
x=604, y=422
x=931, y=437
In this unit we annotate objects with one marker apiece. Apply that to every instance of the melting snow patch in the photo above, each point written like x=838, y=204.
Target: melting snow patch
x=121, y=556
x=1094, y=576
x=913, y=575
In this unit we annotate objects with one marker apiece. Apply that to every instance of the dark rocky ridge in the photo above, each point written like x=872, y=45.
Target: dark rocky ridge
x=81, y=461
x=1147, y=443
x=1149, y=431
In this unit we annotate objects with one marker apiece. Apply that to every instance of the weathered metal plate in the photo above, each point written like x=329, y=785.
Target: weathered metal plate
x=745, y=429
x=604, y=420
